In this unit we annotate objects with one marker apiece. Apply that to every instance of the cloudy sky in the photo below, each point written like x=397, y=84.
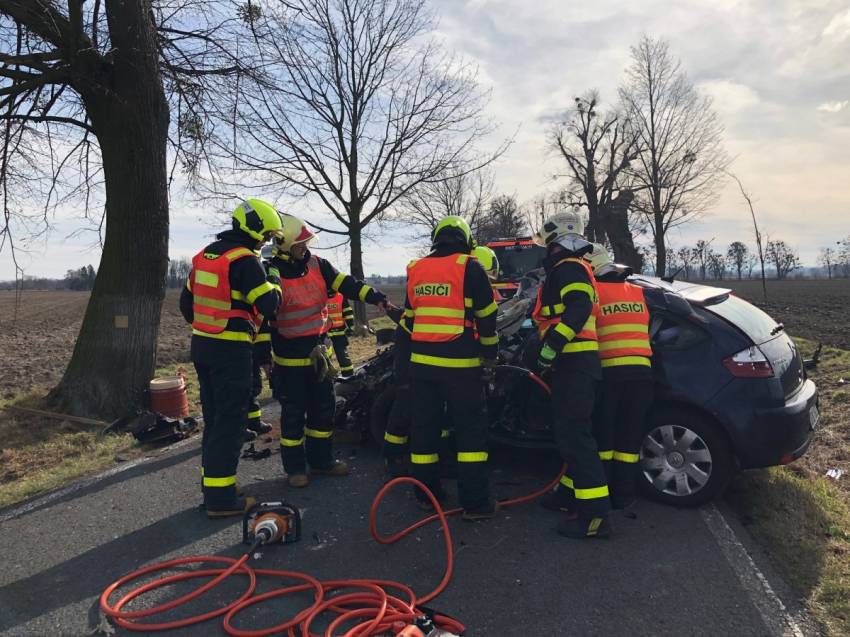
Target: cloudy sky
x=778, y=70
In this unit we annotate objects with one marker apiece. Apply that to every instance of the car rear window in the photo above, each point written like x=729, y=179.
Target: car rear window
x=746, y=317
x=516, y=260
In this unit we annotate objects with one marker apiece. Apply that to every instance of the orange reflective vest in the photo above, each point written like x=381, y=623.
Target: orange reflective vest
x=212, y=297
x=335, y=319
x=623, y=325
x=303, y=306
x=435, y=293
x=547, y=316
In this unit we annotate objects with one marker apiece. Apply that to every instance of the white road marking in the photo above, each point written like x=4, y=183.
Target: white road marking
x=773, y=611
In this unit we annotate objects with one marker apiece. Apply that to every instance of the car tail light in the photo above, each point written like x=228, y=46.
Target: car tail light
x=748, y=363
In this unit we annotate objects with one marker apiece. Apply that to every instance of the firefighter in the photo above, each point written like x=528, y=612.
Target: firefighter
x=225, y=285
x=397, y=432
x=626, y=394
x=448, y=298
x=566, y=311
x=302, y=378
x=340, y=324
x=262, y=359
x=490, y=262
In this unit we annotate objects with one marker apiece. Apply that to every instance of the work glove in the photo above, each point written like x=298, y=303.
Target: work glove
x=323, y=366
x=545, y=358
x=488, y=370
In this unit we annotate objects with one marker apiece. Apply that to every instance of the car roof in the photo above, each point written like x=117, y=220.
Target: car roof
x=696, y=293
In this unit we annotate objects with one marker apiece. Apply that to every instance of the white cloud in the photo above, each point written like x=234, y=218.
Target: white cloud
x=833, y=107
x=729, y=97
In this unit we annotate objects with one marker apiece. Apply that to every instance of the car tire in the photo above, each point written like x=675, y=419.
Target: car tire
x=686, y=459
x=379, y=414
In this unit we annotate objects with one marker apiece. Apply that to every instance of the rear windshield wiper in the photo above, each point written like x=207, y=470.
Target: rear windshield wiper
x=779, y=327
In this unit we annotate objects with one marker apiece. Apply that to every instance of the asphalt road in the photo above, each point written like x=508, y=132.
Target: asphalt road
x=665, y=572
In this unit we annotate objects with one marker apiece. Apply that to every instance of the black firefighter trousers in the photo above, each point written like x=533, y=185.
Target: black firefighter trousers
x=224, y=377
x=618, y=425
x=462, y=396
x=306, y=418
x=340, y=346
x=573, y=395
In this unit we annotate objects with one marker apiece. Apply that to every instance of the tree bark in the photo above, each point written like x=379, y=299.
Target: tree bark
x=613, y=216
x=357, y=271
x=115, y=354
x=661, y=247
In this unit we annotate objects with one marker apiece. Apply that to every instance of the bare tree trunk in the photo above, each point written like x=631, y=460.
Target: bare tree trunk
x=661, y=248
x=357, y=272
x=615, y=221
x=115, y=354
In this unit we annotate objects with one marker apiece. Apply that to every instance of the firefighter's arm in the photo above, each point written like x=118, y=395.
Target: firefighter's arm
x=350, y=287
x=576, y=294
x=256, y=289
x=484, y=309
x=347, y=314
x=187, y=300
x=407, y=317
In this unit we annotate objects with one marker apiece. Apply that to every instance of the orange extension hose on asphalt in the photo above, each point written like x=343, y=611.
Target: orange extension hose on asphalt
x=370, y=608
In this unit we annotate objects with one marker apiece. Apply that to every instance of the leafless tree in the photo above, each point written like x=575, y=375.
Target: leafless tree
x=702, y=253
x=598, y=149
x=368, y=110
x=464, y=193
x=503, y=218
x=827, y=258
x=783, y=258
x=716, y=264
x=89, y=91
x=843, y=261
x=678, y=173
x=686, y=257
x=750, y=264
x=761, y=241
x=737, y=256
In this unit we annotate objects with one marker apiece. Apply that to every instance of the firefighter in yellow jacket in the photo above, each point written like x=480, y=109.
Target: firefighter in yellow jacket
x=226, y=287
x=627, y=387
x=566, y=312
x=449, y=298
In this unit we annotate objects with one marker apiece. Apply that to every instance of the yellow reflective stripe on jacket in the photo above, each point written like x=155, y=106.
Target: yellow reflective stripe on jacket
x=620, y=361
x=340, y=277
x=226, y=335
x=623, y=327
x=580, y=346
x=592, y=494
x=395, y=440
x=565, y=331
x=441, y=361
x=566, y=482
x=238, y=296
x=364, y=292
x=292, y=442
x=213, y=303
x=472, y=456
x=210, y=279
x=606, y=345
x=467, y=302
x=255, y=414
x=606, y=455
x=317, y=433
x=622, y=456
x=209, y=319
x=430, y=328
x=258, y=291
x=487, y=311
x=239, y=252
x=263, y=337
x=219, y=482
x=424, y=458
x=489, y=340
x=189, y=284
x=291, y=362
x=445, y=312
x=579, y=287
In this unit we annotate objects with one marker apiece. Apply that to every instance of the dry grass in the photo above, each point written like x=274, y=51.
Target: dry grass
x=801, y=516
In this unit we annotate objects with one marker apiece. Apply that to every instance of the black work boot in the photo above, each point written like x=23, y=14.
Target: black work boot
x=585, y=528
x=424, y=502
x=486, y=511
x=248, y=436
x=237, y=506
x=560, y=501
x=259, y=427
x=396, y=466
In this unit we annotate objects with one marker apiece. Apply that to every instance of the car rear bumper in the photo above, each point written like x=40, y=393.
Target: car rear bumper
x=781, y=435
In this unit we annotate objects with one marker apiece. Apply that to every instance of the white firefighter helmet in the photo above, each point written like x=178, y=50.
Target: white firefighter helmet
x=600, y=260
x=293, y=231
